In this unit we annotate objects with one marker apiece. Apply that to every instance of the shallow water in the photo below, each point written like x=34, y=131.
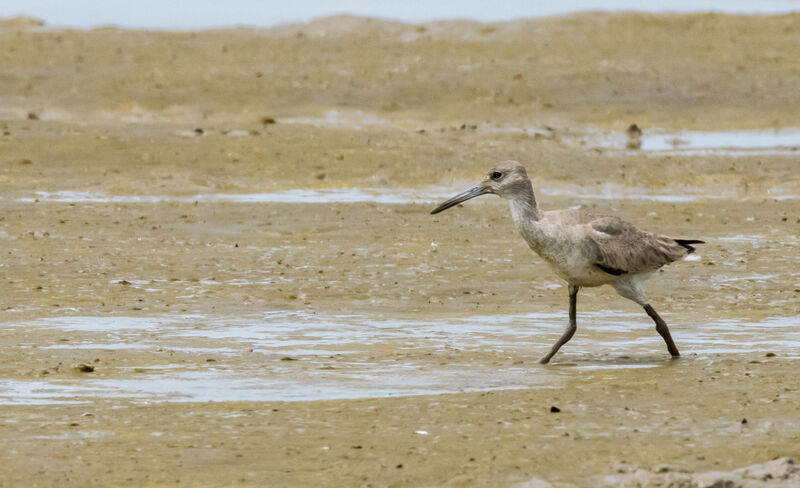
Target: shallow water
x=401, y=196
x=730, y=143
x=205, y=14
x=779, y=142
x=393, y=196
x=313, y=356
x=730, y=140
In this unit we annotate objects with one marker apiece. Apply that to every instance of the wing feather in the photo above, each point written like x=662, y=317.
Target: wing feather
x=620, y=247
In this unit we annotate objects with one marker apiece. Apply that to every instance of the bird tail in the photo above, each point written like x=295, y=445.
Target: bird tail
x=687, y=243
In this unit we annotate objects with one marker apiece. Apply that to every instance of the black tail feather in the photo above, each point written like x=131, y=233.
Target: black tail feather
x=687, y=243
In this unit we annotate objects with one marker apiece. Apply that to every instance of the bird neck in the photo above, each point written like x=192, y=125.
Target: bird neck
x=523, y=206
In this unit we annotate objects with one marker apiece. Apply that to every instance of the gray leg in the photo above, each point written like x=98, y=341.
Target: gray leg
x=662, y=329
x=571, y=327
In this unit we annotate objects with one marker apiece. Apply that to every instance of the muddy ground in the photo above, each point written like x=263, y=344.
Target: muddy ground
x=93, y=120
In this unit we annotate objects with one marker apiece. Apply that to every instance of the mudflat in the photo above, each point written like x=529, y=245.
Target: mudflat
x=219, y=267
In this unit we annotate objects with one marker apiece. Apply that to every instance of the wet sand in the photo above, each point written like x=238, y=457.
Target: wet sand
x=231, y=230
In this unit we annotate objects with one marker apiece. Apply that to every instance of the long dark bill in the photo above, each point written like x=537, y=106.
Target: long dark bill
x=461, y=197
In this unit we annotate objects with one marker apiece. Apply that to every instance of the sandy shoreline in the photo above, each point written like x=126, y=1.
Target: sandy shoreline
x=122, y=152
x=705, y=71
x=689, y=416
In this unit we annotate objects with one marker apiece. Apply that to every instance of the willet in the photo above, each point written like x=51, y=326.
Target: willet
x=582, y=248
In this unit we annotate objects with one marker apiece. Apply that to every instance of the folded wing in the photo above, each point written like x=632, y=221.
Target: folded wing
x=621, y=248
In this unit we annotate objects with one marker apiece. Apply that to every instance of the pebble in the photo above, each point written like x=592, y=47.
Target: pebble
x=84, y=368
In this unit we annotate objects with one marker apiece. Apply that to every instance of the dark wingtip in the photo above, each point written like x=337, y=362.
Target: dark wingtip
x=687, y=243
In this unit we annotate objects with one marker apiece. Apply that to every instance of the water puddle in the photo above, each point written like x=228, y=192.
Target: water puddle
x=322, y=195
x=215, y=386
x=732, y=142
x=659, y=142
x=299, y=356
x=352, y=120
x=688, y=143
x=404, y=196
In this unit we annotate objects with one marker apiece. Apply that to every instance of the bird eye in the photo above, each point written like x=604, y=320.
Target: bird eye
x=496, y=175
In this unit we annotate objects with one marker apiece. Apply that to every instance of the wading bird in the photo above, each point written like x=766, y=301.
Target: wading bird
x=582, y=248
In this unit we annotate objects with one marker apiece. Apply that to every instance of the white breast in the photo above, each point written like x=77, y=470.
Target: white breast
x=565, y=251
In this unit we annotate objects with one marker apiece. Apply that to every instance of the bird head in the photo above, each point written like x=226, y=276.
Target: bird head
x=505, y=180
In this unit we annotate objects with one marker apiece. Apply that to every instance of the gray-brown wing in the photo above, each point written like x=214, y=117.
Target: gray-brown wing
x=622, y=248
